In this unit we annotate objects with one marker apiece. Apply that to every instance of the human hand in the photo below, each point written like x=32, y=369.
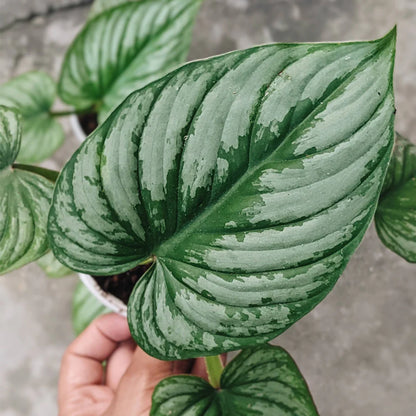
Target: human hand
x=126, y=385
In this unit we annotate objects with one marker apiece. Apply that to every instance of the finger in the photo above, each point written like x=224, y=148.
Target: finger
x=82, y=361
x=118, y=363
x=87, y=401
x=136, y=386
x=199, y=369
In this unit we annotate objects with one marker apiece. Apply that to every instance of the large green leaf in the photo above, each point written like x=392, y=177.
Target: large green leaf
x=261, y=381
x=125, y=48
x=24, y=201
x=396, y=213
x=33, y=94
x=85, y=308
x=100, y=6
x=250, y=177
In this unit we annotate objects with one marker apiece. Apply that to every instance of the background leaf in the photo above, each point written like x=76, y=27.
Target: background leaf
x=123, y=49
x=24, y=202
x=33, y=95
x=100, y=6
x=52, y=267
x=252, y=196
x=396, y=213
x=85, y=308
x=261, y=381
x=10, y=136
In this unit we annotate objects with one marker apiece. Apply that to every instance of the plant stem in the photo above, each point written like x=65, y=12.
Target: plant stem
x=214, y=369
x=150, y=260
x=71, y=112
x=62, y=113
x=52, y=175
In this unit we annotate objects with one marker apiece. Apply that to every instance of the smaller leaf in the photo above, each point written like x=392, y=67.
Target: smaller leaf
x=100, y=6
x=10, y=136
x=123, y=49
x=52, y=267
x=25, y=198
x=395, y=217
x=33, y=94
x=85, y=308
x=260, y=381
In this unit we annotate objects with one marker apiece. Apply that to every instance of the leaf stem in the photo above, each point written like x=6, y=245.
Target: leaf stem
x=67, y=113
x=150, y=260
x=214, y=370
x=51, y=175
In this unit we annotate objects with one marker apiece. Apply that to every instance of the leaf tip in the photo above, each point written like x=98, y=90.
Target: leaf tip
x=390, y=37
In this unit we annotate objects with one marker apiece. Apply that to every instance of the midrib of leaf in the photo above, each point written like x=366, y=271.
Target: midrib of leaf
x=163, y=249
x=148, y=42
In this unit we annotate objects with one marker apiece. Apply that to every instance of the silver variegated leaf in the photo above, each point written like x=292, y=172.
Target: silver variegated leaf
x=250, y=177
x=123, y=49
x=261, y=381
x=33, y=95
x=396, y=212
x=24, y=200
x=100, y=6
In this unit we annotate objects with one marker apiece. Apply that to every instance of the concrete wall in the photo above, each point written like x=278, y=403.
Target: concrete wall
x=357, y=349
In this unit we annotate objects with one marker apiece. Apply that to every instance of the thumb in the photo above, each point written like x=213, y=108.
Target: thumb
x=134, y=393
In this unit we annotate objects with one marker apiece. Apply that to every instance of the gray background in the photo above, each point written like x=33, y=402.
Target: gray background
x=357, y=349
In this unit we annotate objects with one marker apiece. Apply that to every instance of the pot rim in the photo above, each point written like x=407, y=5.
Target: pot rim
x=107, y=299
x=76, y=128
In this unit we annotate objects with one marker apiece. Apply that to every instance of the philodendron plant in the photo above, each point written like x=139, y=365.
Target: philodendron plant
x=247, y=180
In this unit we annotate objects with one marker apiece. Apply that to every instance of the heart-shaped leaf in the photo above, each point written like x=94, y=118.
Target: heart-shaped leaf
x=24, y=200
x=261, y=381
x=250, y=177
x=52, y=267
x=123, y=49
x=33, y=94
x=396, y=213
x=85, y=308
x=100, y=6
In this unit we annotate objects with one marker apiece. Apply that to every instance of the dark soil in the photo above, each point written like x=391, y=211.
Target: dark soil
x=89, y=122
x=121, y=285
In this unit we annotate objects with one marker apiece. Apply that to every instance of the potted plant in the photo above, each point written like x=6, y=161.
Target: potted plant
x=242, y=183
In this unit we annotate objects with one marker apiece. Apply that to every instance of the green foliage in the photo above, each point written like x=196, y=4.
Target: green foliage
x=52, y=267
x=24, y=200
x=251, y=177
x=33, y=94
x=100, y=6
x=85, y=308
x=123, y=49
x=261, y=381
x=10, y=136
x=396, y=213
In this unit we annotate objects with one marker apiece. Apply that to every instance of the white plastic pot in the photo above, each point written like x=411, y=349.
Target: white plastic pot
x=76, y=128
x=107, y=299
